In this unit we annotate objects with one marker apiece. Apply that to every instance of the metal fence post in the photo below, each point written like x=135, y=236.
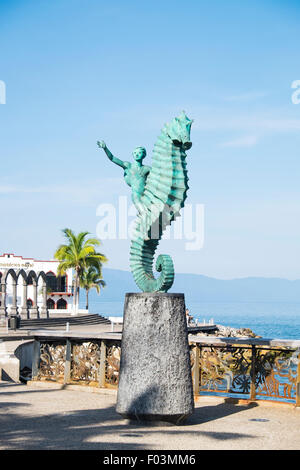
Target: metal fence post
x=298, y=382
x=102, y=367
x=35, y=359
x=253, y=375
x=67, y=374
x=196, y=374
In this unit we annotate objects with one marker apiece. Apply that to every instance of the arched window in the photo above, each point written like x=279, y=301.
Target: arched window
x=31, y=278
x=50, y=304
x=51, y=282
x=61, y=304
x=29, y=303
x=55, y=283
x=61, y=283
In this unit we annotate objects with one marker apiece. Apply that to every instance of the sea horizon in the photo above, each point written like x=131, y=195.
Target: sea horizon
x=268, y=319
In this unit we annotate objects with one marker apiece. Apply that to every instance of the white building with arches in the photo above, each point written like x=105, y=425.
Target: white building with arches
x=32, y=288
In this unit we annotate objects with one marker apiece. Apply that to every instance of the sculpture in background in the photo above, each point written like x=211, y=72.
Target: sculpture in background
x=158, y=193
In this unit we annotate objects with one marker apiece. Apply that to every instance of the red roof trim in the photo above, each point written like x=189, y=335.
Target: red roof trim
x=68, y=294
x=29, y=259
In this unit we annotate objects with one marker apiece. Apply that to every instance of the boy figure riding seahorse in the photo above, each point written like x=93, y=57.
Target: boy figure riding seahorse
x=158, y=193
x=135, y=174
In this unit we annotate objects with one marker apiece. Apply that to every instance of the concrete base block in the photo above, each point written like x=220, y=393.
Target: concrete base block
x=9, y=363
x=10, y=369
x=155, y=381
x=43, y=313
x=23, y=312
x=34, y=313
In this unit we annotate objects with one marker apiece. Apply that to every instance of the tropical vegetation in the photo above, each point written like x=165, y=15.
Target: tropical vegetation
x=91, y=279
x=79, y=252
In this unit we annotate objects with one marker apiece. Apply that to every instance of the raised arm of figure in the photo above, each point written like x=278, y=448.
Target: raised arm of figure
x=117, y=161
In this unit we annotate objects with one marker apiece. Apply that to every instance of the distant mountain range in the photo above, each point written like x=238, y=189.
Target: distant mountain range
x=197, y=288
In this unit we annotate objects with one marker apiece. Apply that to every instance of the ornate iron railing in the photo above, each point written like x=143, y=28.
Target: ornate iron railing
x=251, y=369
x=85, y=361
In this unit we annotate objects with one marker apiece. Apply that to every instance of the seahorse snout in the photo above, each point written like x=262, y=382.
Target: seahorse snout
x=187, y=145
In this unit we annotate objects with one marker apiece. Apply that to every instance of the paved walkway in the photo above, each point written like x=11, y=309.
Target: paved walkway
x=32, y=418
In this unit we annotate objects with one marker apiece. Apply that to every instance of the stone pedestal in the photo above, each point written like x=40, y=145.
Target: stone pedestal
x=23, y=312
x=43, y=312
x=155, y=373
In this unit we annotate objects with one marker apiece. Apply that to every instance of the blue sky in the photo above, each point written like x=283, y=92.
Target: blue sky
x=78, y=71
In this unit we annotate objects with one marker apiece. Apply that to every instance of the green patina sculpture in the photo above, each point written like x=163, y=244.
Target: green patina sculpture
x=158, y=193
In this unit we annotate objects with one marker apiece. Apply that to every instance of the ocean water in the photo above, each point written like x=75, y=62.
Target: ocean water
x=277, y=320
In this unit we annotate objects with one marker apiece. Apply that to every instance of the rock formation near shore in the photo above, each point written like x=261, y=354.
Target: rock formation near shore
x=230, y=332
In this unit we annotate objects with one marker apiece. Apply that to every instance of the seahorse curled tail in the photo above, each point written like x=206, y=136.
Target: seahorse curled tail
x=163, y=197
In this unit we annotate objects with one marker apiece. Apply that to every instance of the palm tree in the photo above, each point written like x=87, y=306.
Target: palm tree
x=91, y=278
x=79, y=253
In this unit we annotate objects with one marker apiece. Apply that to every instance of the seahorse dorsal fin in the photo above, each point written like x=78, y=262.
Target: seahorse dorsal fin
x=166, y=184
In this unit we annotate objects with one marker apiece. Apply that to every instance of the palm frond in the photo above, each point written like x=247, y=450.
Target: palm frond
x=80, y=254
